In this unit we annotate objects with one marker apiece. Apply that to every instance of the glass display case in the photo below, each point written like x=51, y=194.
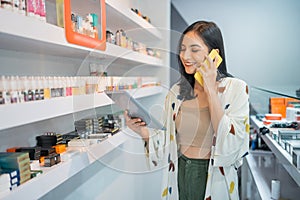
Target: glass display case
x=260, y=97
x=275, y=123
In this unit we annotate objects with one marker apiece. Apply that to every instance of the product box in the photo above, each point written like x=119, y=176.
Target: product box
x=292, y=114
x=277, y=106
x=296, y=158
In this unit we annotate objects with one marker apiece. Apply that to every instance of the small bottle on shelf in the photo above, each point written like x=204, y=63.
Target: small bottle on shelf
x=2, y=91
x=31, y=89
x=47, y=90
x=68, y=86
x=20, y=87
x=5, y=92
x=13, y=90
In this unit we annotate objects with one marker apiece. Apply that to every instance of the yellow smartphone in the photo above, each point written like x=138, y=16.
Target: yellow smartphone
x=213, y=54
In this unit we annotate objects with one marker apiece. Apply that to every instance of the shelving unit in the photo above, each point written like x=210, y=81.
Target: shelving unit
x=258, y=171
x=282, y=155
x=43, y=45
x=81, y=158
x=261, y=167
x=135, y=26
x=43, y=38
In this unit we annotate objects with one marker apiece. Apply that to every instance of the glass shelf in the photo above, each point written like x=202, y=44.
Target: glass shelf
x=260, y=97
x=289, y=91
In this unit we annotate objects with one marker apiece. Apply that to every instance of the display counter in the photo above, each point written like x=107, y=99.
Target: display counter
x=261, y=167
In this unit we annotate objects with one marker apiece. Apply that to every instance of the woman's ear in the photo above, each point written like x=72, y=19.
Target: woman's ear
x=217, y=51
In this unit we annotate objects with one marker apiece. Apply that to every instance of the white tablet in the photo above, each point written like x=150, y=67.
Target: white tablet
x=135, y=110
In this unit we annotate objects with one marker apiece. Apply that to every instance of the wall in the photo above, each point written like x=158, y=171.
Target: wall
x=178, y=24
x=261, y=37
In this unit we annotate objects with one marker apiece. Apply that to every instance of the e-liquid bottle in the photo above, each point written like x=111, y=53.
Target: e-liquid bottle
x=118, y=38
x=16, y=5
x=82, y=87
x=68, y=86
x=25, y=86
x=13, y=90
x=30, y=7
x=52, y=84
x=36, y=88
x=61, y=86
x=47, y=91
x=31, y=89
x=40, y=88
x=74, y=85
x=20, y=86
x=64, y=86
x=7, y=4
x=6, y=93
x=2, y=92
x=22, y=7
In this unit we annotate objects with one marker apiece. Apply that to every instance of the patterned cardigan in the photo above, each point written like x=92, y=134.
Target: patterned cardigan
x=229, y=146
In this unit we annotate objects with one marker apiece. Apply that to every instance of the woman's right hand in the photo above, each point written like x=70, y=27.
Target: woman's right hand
x=137, y=125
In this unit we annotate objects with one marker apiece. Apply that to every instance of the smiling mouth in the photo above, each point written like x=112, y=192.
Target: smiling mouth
x=189, y=64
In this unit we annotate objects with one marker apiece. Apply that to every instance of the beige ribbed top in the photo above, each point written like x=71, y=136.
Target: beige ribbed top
x=194, y=126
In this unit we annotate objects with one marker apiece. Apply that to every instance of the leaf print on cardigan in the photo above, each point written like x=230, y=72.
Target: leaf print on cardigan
x=222, y=170
x=231, y=188
x=166, y=190
x=227, y=106
x=174, y=116
x=247, y=124
x=232, y=131
x=171, y=164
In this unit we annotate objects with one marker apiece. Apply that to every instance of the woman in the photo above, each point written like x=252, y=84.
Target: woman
x=207, y=125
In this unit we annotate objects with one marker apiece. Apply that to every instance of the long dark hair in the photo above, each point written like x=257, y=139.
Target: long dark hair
x=210, y=33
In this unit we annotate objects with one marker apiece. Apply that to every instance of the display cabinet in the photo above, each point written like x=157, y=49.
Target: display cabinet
x=31, y=47
x=275, y=162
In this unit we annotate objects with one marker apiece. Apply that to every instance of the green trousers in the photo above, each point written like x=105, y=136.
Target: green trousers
x=192, y=176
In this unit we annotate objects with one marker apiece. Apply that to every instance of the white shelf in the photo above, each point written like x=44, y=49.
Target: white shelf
x=57, y=174
x=263, y=167
x=145, y=92
x=259, y=171
x=28, y=34
x=121, y=17
x=282, y=155
x=17, y=114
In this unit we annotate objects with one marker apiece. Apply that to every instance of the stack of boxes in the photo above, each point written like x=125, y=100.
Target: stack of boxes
x=289, y=108
x=17, y=165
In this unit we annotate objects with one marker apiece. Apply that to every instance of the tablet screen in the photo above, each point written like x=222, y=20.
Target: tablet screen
x=135, y=110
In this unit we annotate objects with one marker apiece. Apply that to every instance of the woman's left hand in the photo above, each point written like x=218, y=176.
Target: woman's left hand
x=209, y=74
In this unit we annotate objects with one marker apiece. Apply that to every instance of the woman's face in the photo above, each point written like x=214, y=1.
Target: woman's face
x=192, y=52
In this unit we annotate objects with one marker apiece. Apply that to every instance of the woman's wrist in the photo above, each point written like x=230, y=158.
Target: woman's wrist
x=145, y=134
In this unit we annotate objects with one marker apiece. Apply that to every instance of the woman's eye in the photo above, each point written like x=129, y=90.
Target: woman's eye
x=195, y=50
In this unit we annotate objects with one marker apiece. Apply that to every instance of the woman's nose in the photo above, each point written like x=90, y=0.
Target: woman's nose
x=186, y=54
